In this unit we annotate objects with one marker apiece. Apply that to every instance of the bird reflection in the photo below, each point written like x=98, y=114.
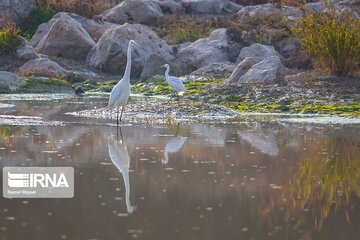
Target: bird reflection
x=173, y=145
x=120, y=157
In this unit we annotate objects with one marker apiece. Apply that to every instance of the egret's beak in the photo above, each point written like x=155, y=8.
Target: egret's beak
x=163, y=66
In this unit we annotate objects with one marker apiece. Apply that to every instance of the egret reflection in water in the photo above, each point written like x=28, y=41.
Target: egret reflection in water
x=173, y=145
x=120, y=157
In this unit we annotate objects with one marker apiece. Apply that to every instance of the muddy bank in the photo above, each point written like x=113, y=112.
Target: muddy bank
x=157, y=110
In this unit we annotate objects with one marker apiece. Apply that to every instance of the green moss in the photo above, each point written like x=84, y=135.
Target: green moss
x=44, y=85
x=162, y=88
x=254, y=107
x=336, y=109
x=240, y=103
x=105, y=86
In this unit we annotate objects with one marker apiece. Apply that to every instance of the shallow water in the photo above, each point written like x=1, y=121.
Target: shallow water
x=252, y=179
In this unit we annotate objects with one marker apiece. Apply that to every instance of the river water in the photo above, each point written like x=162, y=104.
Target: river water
x=251, y=179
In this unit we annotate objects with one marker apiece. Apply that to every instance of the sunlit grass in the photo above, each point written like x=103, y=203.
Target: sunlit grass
x=87, y=8
x=333, y=39
x=9, y=39
x=163, y=88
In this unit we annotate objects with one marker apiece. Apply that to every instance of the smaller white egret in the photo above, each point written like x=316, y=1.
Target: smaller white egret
x=175, y=83
x=119, y=95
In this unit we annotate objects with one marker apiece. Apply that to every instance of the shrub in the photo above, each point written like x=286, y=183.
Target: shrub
x=37, y=16
x=87, y=8
x=333, y=39
x=176, y=29
x=180, y=29
x=9, y=39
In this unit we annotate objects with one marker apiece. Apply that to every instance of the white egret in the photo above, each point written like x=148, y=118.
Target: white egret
x=120, y=157
x=119, y=95
x=175, y=83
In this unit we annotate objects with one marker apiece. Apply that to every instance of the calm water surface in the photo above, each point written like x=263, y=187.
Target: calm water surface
x=249, y=180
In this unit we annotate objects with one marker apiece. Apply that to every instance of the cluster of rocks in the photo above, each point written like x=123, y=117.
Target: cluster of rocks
x=74, y=47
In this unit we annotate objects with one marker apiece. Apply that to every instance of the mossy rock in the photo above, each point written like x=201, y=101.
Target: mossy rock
x=44, y=85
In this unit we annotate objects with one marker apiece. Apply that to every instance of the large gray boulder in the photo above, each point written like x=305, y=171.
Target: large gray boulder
x=264, y=11
x=14, y=11
x=109, y=54
x=94, y=28
x=153, y=67
x=8, y=81
x=215, y=48
x=133, y=11
x=266, y=71
x=258, y=52
x=214, y=69
x=7, y=15
x=26, y=51
x=351, y=4
x=343, y=7
x=42, y=67
x=210, y=6
x=241, y=69
x=171, y=7
x=64, y=37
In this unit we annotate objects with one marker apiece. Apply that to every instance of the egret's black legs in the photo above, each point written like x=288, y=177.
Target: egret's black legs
x=118, y=130
x=117, y=115
x=122, y=110
x=178, y=99
x=170, y=98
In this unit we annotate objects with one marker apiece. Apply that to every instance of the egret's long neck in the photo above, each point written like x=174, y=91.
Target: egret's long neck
x=166, y=157
x=167, y=72
x=127, y=192
x=128, y=64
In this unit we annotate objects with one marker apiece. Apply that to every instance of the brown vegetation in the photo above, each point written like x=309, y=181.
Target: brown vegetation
x=87, y=8
x=333, y=39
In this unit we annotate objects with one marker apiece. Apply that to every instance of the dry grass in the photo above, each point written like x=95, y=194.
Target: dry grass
x=333, y=39
x=9, y=39
x=296, y=3
x=87, y=8
x=179, y=29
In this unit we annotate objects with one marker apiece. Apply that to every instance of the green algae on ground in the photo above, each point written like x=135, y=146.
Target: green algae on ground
x=352, y=110
x=43, y=85
x=162, y=87
x=342, y=109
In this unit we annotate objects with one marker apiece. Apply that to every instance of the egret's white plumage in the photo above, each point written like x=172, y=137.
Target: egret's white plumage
x=174, y=82
x=119, y=95
x=120, y=157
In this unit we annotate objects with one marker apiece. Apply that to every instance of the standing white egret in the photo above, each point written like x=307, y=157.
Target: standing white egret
x=174, y=82
x=119, y=95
